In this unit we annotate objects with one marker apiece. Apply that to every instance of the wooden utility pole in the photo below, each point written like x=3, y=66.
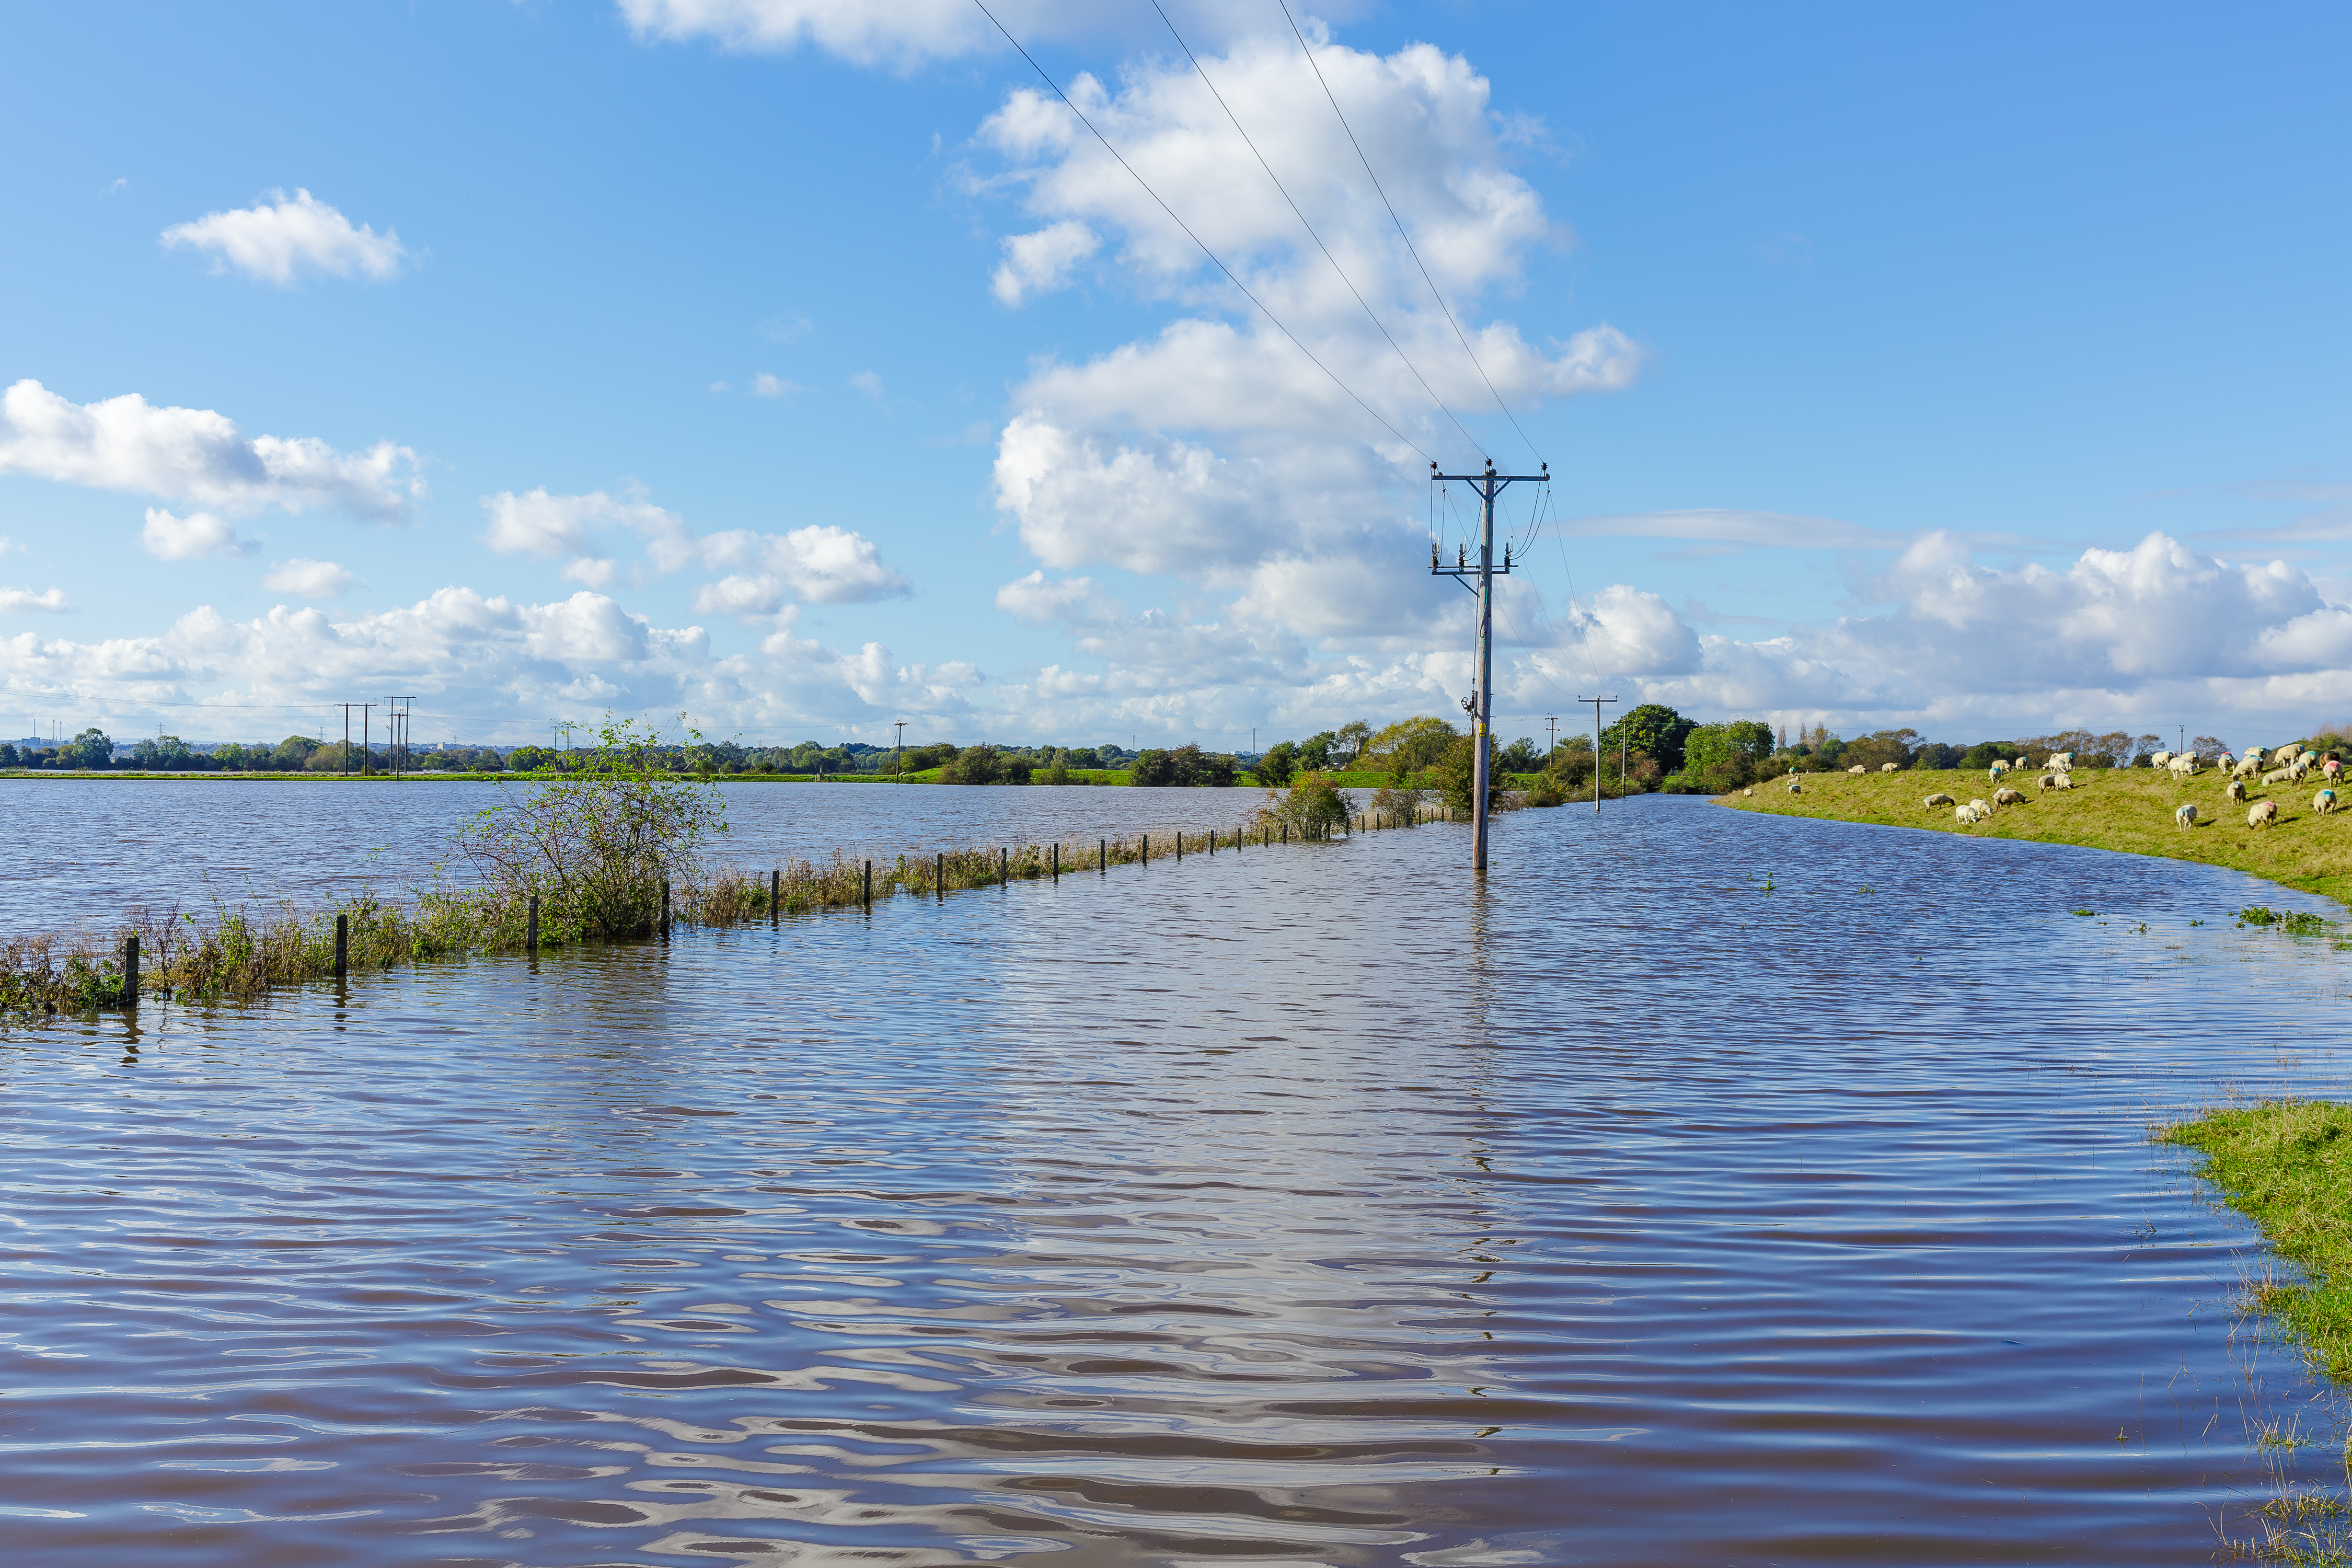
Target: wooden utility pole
x=1596, y=703
x=898, y=754
x=1488, y=484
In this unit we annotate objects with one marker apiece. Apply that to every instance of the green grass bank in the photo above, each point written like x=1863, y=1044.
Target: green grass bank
x=2286, y=1165
x=2126, y=809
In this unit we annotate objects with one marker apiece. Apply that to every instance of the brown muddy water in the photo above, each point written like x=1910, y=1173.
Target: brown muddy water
x=1299, y=1205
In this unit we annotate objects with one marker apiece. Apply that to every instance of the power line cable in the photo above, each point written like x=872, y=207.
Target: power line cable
x=1401, y=229
x=1195, y=238
x=1476, y=446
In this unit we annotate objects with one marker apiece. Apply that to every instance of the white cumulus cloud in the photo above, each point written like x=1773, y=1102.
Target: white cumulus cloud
x=199, y=535
x=310, y=579
x=278, y=239
x=53, y=601
x=1036, y=263
x=195, y=455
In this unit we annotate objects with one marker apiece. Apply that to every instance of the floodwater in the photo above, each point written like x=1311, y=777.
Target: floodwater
x=1299, y=1205
x=89, y=850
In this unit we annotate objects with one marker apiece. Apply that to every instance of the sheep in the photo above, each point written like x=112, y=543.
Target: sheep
x=1964, y=816
x=1994, y=772
x=2185, y=815
x=2061, y=762
x=2184, y=765
x=2007, y=797
x=1795, y=788
x=1749, y=790
x=2286, y=753
x=1934, y=799
x=2234, y=790
x=2263, y=813
x=2065, y=779
x=1857, y=770
x=2277, y=776
x=2323, y=802
x=1887, y=767
x=2249, y=766
x=1979, y=811
x=2047, y=782
x=2157, y=759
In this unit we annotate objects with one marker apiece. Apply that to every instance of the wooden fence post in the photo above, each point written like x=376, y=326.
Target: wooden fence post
x=131, y=973
x=664, y=914
x=869, y=884
x=1057, y=861
x=939, y=877
x=343, y=945
x=1003, y=862
x=776, y=896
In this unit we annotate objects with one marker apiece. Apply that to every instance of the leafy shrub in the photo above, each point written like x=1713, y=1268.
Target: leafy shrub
x=1277, y=766
x=1313, y=808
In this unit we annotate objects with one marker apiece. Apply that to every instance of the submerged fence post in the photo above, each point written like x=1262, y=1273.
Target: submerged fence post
x=1057, y=862
x=869, y=884
x=1102, y=855
x=776, y=897
x=939, y=877
x=530, y=927
x=664, y=914
x=131, y=973
x=343, y=945
x=1146, y=850
x=1003, y=864
x=1179, y=846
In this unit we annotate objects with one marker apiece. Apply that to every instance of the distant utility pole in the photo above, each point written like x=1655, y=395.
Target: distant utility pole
x=1555, y=737
x=367, y=710
x=395, y=726
x=898, y=756
x=1488, y=484
x=1596, y=703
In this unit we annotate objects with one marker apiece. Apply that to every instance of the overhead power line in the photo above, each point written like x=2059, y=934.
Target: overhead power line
x=1401, y=228
x=1476, y=446
x=1195, y=238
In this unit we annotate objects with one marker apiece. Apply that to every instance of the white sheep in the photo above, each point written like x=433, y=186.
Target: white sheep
x=2249, y=766
x=1857, y=770
x=2185, y=815
x=2235, y=789
x=1887, y=767
x=1993, y=772
x=1795, y=788
x=1979, y=811
x=1934, y=799
x=2323, y=802
x=2061, y=762
x=2157, y=759
x=2065, y=779
x=2263, y=813
x=2184, y=765
x=2007, y=797
x=2286, y=753
x=2277, y=776
x=2047, y=782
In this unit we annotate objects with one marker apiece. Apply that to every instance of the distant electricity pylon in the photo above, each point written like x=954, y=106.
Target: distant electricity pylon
x=1488, y=484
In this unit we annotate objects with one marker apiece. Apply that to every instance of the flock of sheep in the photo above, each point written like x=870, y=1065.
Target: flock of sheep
x=2286, y=765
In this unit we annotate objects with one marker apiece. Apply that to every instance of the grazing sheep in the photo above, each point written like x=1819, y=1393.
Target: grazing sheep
x=1749, y=790
x=2061, y=762
x=2184, y=816
x=1979, y=811
x=2065, y=780
x=2047, y=781
x=2323, y=802
x=1994, y=772
x=1936, y=799
x=2286, y=753
x=2248, y=767
x=2235, y=789
x=2263, y=813
x=2157, y=759
x=2277, y=776
x=1887, y=767
x=1964, y=815
x=2007, y=797
x=1857, y=771
x=1795, y=788
x=2184, y=765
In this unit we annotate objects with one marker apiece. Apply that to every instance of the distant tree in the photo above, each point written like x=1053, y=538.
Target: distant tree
x=8, y=758
x=972, y=765
x=1652, y=729
x=1350, y=740
x=1153, y=769
x=1276, y=768
x=1407, y=746
x=1315, y=751
x=1455, y=776
x=1019, y=770
x=531, y=759
x=1519, y=757
x=1214, y=770
x=91, y=749
x=1937, y=755
x=2206, y=747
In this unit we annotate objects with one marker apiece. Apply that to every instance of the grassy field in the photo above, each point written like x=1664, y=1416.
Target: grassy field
x=2128, y=809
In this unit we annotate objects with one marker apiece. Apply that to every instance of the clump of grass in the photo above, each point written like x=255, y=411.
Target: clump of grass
x=2286, y=1165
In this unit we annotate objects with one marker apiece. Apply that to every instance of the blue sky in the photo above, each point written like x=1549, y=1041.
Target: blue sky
x=795, y=363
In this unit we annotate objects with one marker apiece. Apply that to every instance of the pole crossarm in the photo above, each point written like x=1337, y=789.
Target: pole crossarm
x=1488, y=484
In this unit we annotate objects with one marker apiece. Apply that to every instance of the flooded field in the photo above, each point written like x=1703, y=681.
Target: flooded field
x=1707, y=1189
